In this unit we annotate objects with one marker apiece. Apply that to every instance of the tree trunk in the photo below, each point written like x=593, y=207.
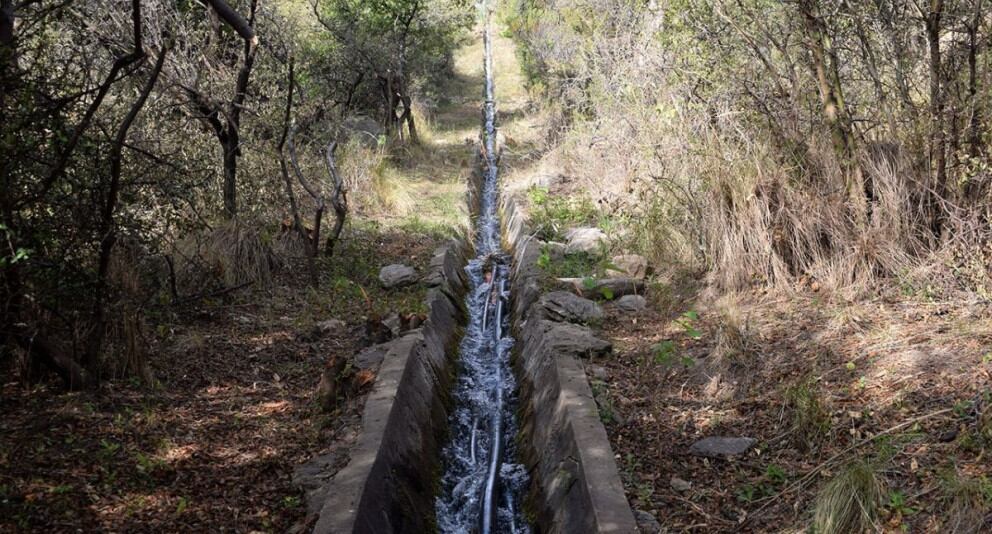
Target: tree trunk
x=229, y=142
x=232, y=143
x=938, y=156
x=825, y=69
x=339, y=201
x=408, y=118
x=8, y=48
x=108, y=232
x=975, y=147
x=283, y=167
x=318, y=214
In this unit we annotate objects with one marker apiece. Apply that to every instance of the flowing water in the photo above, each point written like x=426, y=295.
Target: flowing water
x=482, y=485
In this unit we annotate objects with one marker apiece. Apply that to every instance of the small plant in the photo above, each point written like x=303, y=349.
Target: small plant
x=665, y=354
x=61, y=489
x=747, y=493
x=775, y=474
x=810, y=421
x=603, y=402
x=291, y=501
x=108, y=449
x=644, y=491
x=687, y=321
x=149, y=465
x=769, y=484
x=897, y=504
x=551, y=215
x=850, y=502
x=544, y=259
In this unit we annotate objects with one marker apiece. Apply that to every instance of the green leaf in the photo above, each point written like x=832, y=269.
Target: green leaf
x=664, y=352
x=183, y=504
x=606, y=292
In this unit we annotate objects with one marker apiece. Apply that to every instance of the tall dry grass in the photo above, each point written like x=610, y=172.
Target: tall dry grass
x=235, y=253
x=703, y=186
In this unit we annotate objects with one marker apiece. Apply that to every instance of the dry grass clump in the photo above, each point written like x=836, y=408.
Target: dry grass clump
x=766, y=225
x=736, y=342
x=235, y=253
x=362, y=164
x=126, y=346
x=810, y=420
x=850, y=502
x=969, y=504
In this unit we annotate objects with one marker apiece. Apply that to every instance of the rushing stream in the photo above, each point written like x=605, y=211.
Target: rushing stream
x=482, y=484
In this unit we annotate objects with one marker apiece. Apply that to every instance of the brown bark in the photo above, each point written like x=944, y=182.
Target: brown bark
x=244, y=28
x=232, y=143
x=318, y=213
x=339, y=201
x=408, y=118
x=825, y=69
x=975, y=147
x=938, y=139
x=283, y=166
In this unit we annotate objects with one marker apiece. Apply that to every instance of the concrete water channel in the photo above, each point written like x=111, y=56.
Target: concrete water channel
x=467, y=430
x=482, y=484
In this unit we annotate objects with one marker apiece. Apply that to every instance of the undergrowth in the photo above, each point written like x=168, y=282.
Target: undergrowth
x=850, y=502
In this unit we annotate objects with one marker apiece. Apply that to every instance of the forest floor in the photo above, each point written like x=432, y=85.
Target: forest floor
x=897, y=381
x=212, y=445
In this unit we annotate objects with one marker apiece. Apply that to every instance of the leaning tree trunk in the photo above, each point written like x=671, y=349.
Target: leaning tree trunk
x=825, y=68
x=283, y=166
x=229, y=142
x=108, y=232
x=318, y=213
x=339, y=201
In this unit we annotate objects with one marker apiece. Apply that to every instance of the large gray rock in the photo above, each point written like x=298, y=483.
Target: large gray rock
x=721, y=446
x=575, y=340
x=628, y=266
x=556, y=251
x=588, y=240
x=646, y=523
x=564, y=306
x=333, y=327
x=397, y=275
x=601, y=288
x=371, y=357
x=680, y=485
x=631, y=303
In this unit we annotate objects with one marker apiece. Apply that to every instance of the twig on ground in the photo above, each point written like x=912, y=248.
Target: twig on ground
x=813, y=472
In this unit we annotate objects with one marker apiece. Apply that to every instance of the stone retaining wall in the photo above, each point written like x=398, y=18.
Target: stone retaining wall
x=575, y=484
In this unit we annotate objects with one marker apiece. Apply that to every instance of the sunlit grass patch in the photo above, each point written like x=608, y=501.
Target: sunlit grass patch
x=849, y=502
